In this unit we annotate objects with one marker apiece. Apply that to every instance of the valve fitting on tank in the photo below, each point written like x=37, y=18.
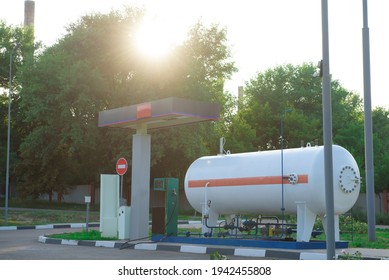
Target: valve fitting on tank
x=293, y=178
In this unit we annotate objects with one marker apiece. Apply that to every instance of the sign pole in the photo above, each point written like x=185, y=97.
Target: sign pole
x=121, y=169
x=121, y=190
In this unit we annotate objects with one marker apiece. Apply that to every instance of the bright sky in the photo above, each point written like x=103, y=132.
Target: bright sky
x=261, y=33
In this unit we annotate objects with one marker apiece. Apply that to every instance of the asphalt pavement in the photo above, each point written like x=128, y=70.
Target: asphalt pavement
x=31, y=243
x=26, y=244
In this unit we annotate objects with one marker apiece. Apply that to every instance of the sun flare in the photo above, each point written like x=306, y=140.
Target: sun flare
x=156, y=38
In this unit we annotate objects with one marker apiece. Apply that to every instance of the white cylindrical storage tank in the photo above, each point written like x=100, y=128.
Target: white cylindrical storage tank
x=250, y=183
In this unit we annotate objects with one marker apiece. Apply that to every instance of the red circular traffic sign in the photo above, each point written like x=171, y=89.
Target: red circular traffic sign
x=121, y=166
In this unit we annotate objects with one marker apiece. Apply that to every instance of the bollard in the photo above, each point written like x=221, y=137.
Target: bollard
x=87, y=201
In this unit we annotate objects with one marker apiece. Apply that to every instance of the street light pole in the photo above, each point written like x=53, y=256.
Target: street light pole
x=369, y=160
x=327, y=135
x=8, y=135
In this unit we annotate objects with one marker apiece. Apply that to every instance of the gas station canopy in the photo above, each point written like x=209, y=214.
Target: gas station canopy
x=160, y=113
x=143, y=117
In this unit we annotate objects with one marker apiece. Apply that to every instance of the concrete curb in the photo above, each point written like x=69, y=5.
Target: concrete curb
x=196, y=249
x=54, y=226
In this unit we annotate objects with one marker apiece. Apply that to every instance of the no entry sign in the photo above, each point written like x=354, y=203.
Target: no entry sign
x=121, y=166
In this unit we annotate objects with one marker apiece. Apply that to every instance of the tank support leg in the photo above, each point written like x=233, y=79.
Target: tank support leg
x=211, y=217
x=305, y=222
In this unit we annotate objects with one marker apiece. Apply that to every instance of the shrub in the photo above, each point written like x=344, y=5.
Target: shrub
x=349, y=224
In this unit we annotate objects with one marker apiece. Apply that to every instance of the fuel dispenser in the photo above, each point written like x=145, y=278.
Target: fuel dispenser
x=165, y=209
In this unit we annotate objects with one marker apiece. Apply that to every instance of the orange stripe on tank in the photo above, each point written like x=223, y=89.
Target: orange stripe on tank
x=245, y=181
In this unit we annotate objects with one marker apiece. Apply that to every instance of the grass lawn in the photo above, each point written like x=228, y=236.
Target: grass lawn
x=39, y=212
x=360, y=240
x=44, y=204
x=29, y=217
x=81, y=235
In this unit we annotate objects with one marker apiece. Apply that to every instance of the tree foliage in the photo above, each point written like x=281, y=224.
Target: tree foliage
x=16, y=47
x=18, y=41
x=96, y=67
x=292, y=94
x=380, y=118
x=286, y=92
x=58, y=93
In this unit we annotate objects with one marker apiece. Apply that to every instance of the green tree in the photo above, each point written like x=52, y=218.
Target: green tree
x=291, y=91
x=16, y=40
x=381, y=147
x=93, y=68
x=19, y=42
x=63, y=91
x=285, y=92
x=205, y=64
x=292, y=94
